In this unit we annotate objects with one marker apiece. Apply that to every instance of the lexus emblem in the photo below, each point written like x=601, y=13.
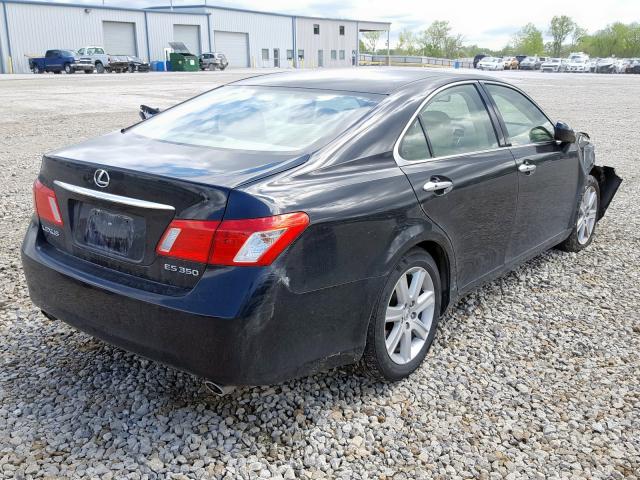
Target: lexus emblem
x=101, y=178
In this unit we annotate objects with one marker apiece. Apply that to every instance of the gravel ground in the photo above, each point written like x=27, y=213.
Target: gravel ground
x=532, y=376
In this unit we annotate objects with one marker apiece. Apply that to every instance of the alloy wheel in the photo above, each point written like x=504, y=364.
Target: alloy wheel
x=409, y=315
x=587, y=215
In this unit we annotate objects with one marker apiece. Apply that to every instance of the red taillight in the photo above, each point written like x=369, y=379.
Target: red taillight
x=256, y=241
x=188, y=240
x=46, y=204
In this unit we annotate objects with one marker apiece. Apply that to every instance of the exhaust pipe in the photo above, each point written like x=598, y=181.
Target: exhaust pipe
x=218, y=390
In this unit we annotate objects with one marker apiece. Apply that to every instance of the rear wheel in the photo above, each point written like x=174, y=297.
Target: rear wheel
x=587, y=217
x=36, y=69
x=405, y=319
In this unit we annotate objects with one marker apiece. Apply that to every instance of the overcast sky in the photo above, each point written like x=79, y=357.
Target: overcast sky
x=488, y=23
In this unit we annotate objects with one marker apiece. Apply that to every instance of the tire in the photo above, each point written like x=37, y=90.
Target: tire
x=36, y=70
x=586, y=217
x=377, y=361
x=131, y=69
x=211, y=67
x=223, y=68
x=67, y=69
x=99, y=68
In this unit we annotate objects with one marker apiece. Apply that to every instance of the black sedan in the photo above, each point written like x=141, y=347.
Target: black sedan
x=288, y=223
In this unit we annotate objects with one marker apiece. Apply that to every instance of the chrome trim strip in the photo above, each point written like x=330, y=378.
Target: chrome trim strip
x=110, y=197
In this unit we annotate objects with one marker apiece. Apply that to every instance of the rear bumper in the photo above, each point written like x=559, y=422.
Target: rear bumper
x=238, y=326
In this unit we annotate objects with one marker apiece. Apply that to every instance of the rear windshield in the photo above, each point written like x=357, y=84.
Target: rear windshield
x=259, y=118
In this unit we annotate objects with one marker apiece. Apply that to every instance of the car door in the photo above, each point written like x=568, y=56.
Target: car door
x=547, y=172
x=464, y=179
x=51, y=59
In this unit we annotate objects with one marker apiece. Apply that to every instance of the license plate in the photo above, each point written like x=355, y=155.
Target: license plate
x=111, y=232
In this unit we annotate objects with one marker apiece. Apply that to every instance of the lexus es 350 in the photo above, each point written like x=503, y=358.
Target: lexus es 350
x=288, y=223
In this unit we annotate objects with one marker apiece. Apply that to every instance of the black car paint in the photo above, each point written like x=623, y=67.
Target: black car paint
x=309, y=310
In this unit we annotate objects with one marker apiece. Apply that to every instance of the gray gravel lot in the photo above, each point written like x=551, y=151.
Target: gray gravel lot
x=535, y=375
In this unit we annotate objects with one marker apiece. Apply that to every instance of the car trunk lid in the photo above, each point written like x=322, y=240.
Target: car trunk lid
x=116, y=202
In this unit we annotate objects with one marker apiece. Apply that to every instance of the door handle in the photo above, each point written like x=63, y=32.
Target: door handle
x=527, y=168
x=438, y=186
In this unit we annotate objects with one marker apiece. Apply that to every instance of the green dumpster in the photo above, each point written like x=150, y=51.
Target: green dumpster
x=181, y=59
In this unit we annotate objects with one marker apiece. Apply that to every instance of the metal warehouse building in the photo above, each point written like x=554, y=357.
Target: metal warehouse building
x=248, y=38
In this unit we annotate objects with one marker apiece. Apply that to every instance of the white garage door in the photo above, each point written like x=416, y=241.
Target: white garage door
x=189, y=35
x=120, y=38
x=235, y=46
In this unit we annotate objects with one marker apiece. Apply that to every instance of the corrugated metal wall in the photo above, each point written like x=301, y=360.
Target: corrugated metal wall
x=265, y=31
x=327, y=40
x=36, y=28
x=161, y=31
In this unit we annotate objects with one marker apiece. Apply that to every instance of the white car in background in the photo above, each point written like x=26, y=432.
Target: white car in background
x=491, y=63
x=578, y=62
x=553, y=65
x=621, y=65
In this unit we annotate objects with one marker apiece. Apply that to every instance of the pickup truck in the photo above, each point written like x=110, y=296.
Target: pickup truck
x=55, y=61
x=94, y=58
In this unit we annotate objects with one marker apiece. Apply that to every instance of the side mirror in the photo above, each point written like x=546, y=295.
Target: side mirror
x=148, y=112
x=564, y=133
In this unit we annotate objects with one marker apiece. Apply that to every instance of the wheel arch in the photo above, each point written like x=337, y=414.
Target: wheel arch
x=441, y=257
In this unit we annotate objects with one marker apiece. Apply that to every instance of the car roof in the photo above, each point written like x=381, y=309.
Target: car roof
x=376, y=80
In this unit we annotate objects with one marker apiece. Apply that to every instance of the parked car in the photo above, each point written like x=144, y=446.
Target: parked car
x=530, y=63
x=55, y=61
x=634, y=66
x=578, y=65
x=477, y=58
x=95, y=57
x=490, y=63
x=553, y=65
x=510, y=63
x=621, y=64
x=520, y=58
x=606, y=65
x=213, y=61
x=294, y=222
x=136, y=64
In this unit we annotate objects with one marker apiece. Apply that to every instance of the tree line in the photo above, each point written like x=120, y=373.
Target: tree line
x=438, y=40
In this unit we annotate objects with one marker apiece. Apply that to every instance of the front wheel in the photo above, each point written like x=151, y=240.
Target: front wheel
x=587, y=217
x=405, y=318
x=67, y=69
x=99, y=68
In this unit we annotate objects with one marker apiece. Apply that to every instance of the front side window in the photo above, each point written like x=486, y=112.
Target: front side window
x=524, y=121
x=316, y=29
x=265, y=119
x=456, y=122
x=81, y=51
x=265, y=54
x=99, y=51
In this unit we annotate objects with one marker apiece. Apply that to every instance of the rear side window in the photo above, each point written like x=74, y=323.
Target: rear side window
x=259, y=118
x=524, y=121
x=456, y=121
x=414, y=144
